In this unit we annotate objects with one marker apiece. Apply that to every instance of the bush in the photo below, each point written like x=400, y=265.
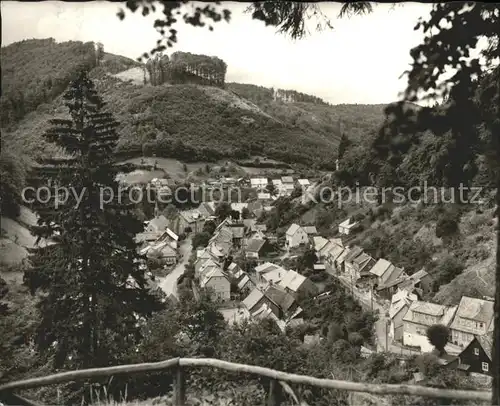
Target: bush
x=446, y=226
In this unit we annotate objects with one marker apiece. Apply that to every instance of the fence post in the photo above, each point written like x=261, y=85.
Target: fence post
x=275, y=394
x=179, y=387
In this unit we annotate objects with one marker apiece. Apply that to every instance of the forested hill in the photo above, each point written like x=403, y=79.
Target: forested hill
x=174, y=106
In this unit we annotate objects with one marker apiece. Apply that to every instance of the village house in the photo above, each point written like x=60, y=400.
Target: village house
x=256, y=298
x=419, y=317
x=384, y=272
x=268, y=273
x=346, y=227
x=474, y=317
x=332, y=254
x=190, y=220
x=298, y=285
x=162, y=252
x=349, y=269
x=239, y=208
x=361, y=266
x=339, y=263
x=259, y=183
x=390, y=287
x=318, y=243
x=256, y=248
x=477, y=356
x=420, y=282
x=218, y=283
x=170, y=237
x=310, y=230
x=281, y=304
x=296, y=236
x=285, y=301
x=288, y=184
x=400, y=303
x=207, y=210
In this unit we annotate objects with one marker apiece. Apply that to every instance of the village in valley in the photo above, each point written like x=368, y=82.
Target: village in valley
x=251, y=273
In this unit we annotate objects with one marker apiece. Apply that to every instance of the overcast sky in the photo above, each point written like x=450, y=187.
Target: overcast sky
x=360, y=61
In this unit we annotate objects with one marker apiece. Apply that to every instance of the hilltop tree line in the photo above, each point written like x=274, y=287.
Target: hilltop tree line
x=292, y=96
x=185, y=67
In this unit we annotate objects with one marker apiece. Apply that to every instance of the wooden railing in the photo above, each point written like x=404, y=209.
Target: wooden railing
x=278, y=381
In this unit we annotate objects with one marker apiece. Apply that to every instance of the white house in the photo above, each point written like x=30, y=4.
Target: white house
x=217, y=282
x=296, y=236
x=346, y=227
x=258, y=183
x=419, y=317
x=268, y=273
x=400, y=303
x=264, y=196
x=295, y=284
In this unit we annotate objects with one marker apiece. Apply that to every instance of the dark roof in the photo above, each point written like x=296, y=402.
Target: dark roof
x=283, y=299
x=353, y=253
x=255, y=245
x=487, y=343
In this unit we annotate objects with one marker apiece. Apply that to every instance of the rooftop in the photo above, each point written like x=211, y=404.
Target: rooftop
x=380, y=267
x=292, y=280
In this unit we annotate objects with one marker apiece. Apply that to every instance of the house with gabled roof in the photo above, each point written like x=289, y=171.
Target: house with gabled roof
x=362, y=265
x=400, y=303
x=296, y=236
x=161, y=251
x=419, y=317
x=256, y=248
x=349, y=268
x=170, y=237
x=319, y=242
x=395, y=283
x=477, y=357
x=332, y=255
x=474, y=317
x=297, y=284
x=191, y=220
x=259, y=183
x=217, y=282
x=346, y=227
x=207, y=209
x=268, y=273
x=384, y=273
x=282, y=304
x=310, y=230
x=420, y=281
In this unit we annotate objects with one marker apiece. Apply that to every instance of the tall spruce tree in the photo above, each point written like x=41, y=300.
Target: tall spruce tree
x=94, y=292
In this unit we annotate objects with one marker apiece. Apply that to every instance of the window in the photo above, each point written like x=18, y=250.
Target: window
x=476, y=351
x=485, y=366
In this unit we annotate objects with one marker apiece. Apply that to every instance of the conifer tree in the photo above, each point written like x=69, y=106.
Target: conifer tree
x=343, y=145
x=94, y=292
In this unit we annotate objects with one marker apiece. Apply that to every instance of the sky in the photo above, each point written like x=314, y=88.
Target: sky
x=360, y=61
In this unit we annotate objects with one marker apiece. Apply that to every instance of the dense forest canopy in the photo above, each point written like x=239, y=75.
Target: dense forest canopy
x=185, y=67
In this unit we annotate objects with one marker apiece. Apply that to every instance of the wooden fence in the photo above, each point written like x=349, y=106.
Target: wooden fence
x=278, y=380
